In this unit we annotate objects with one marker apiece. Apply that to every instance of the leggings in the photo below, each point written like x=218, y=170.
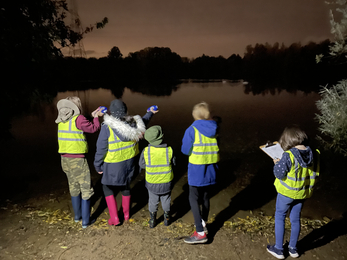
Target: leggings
x=113, y=190
x=200, y=205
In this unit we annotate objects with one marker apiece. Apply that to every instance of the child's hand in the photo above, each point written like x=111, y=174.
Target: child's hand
x=154, y=111
x=97, y=112
x=276, y=160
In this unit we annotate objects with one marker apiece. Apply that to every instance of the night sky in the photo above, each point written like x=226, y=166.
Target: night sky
x=192, y=28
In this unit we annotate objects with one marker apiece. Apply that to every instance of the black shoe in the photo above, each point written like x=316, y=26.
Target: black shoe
x=153, y=220
x=167, y=218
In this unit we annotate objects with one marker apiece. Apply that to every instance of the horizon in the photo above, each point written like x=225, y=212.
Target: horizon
x=194, y=28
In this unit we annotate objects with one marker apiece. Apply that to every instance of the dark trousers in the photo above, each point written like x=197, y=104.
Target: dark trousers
x=113, y=190
x=199, y=201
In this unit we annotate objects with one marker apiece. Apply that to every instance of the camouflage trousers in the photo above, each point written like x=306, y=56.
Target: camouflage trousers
x=78, y=175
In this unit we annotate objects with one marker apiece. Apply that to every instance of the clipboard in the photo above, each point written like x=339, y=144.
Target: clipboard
x=273, y=149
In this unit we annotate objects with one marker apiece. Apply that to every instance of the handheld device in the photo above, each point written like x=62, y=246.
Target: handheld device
x=103, y=109
x=155, y=108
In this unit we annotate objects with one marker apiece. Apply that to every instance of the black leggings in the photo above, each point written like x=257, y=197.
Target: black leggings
x=113, y=190
x=199, y=196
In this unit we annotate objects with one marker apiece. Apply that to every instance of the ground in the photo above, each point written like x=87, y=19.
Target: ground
x=34, y=231
x=36, y=215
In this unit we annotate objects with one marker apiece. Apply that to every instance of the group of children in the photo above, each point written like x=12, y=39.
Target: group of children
x=117, y=149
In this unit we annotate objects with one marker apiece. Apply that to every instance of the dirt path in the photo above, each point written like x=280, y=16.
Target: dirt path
x=30, y=232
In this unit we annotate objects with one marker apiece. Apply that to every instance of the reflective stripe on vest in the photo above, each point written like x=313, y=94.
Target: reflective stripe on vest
x=118, y=150
x=205, y=149
x=158, y=164
x=299, y=182
x=71, y=139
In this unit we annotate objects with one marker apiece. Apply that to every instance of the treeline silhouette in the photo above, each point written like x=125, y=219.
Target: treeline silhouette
x=261, y=64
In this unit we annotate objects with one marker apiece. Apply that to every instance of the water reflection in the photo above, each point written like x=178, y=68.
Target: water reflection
x=247, y=121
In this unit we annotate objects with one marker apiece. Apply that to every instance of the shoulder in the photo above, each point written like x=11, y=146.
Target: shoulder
x=287, y=155
x=81, y=118
x=190, y=129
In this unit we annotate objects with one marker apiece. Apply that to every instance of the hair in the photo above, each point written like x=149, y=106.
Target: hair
x=201, y=111
x=291, y=137
x=76, y=101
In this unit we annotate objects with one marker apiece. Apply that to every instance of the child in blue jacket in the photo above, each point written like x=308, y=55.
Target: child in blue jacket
x=200, y=144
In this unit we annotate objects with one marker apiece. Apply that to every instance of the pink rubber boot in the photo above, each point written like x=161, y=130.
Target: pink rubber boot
x=112, y=209
x=126, y=207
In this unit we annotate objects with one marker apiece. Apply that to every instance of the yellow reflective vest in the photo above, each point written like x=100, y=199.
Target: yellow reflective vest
x=299, y=182
x=158, y=164
x=118, y=150
x=71, y=139
x=205, y=149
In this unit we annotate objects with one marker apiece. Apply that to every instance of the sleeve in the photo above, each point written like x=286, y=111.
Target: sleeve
x=142, y=162
x=173, y=161
x=188, y=141
x=282, y=168
x=87, y=126
x=147, y=117
x=101, y=148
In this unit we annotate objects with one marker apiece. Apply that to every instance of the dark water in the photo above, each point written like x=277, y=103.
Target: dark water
x=32, y=165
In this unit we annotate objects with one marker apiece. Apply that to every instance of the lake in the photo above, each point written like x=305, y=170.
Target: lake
x=33, y=173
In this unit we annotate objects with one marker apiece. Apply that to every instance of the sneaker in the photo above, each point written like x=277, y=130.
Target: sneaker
x=196, y=239
x=275, y=252
x=293, y=252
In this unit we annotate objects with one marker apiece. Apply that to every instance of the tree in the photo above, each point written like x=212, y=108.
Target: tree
x=32, y=32
x=35, y=31
x=114, y=53
x=154, y=63
x=333, y=102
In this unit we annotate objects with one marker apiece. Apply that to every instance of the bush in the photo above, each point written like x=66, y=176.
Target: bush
x=333, y=117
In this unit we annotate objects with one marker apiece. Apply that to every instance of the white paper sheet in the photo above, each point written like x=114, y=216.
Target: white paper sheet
x=275, y=151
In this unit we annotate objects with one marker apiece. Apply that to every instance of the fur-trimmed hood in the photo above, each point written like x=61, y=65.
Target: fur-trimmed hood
x=125, y=130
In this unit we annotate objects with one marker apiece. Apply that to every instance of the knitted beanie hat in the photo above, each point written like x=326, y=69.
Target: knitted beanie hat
x=154, y=135
x=118, y=108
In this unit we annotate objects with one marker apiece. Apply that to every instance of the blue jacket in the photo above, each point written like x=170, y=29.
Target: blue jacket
x=117, y=174
x=200, y=175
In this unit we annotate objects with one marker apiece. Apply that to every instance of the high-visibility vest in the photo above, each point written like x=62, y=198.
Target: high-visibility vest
x=205, y=149
x=71, y=139
x=118, y=150
x=299, y=182
x=158, y=164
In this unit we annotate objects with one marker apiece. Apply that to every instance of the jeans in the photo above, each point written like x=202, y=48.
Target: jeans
x=283, y=204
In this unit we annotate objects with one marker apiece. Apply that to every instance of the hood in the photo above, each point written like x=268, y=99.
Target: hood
x=126, y=131
x=304, y=157
x=206, y=127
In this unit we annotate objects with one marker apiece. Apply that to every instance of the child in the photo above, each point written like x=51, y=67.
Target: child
x=116, y=149
x=295, y=176
x=200, y=143
x=157, y=159
x=73, y=147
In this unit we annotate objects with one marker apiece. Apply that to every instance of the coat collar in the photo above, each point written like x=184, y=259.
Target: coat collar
x=132, y=133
